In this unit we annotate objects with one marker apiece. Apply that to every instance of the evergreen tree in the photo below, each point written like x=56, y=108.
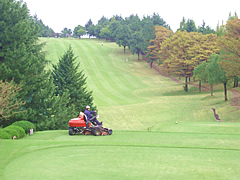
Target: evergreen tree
x=68, y=78
x=22, y=59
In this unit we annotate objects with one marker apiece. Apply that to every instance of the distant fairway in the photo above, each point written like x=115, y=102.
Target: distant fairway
x=141, y=107
x=132, y=96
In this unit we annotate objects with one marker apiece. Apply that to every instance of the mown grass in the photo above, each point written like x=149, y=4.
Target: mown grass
x=124, y=155
x=142, y=108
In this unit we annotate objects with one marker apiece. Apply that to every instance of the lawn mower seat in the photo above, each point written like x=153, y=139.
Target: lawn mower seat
x=85, y=118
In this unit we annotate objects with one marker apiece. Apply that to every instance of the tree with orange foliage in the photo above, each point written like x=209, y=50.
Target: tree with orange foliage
x=8, y=99
x=230, y=49
x=184, y=51
x=161, y=33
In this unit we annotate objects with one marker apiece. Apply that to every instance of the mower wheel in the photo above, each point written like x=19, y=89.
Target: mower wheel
x=109, y=131
x=71, y=131
x=96, y=131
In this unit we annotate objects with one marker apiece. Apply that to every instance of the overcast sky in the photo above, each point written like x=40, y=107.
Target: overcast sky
x=58, y=14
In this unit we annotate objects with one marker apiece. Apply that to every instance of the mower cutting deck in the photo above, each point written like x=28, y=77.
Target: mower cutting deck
x=78, y=125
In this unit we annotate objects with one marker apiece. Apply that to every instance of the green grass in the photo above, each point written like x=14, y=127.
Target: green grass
x=141, y=107
x=124, y=155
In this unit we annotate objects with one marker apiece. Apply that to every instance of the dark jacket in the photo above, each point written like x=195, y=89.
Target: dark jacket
x=88, y=113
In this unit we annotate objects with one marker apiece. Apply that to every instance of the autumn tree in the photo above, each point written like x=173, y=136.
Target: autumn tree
x=175, y=56
x=184, y=51
x=161, y=33
x=230, y=49
x=8, y=99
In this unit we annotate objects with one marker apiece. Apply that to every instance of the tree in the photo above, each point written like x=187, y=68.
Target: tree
x=123, y=36
x=97, y=31
x=134, y=23
x=87, y=25
x=9, y=102
x=161, y=33
x=22, y=58
x=81, y=32
x=189, y=26
x=66, y=32
x=114, y=27
x=69, y=79
x=91, y=30
x=157, y=20
x=147, y=30
x=137, y=43
x=200, y=73
x=44, y=31
x=216, y=74
x=230, y=48
x=175, y=54
x=76, y=31
x=184, y=51
x=103, y=21
x=205, y=30
x=220, y=30
x=106, y=33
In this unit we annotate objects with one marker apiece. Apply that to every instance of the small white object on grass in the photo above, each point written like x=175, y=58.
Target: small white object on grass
x=176, y=122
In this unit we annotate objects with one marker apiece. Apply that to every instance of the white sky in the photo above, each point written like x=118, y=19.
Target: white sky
x=58, y=14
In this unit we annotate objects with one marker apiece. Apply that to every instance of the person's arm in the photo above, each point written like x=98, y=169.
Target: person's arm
x=92, y=112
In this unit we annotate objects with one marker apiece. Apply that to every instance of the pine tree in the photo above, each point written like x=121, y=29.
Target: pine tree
x=68, y=78
x=22, y=59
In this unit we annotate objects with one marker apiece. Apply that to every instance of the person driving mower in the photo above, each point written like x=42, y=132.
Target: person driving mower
x=89, y=113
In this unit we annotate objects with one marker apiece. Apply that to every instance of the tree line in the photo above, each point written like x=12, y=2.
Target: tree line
x=28, y=91
x=204, y=55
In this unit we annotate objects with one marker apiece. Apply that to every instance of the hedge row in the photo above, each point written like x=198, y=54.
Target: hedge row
x=17, y=129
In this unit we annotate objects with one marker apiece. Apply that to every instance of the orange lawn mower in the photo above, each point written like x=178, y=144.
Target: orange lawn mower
x=78, y=126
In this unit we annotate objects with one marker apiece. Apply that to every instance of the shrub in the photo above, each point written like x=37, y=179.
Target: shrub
x=12, y=132
x=4, y=134
x=26, y=125
x=19, y=129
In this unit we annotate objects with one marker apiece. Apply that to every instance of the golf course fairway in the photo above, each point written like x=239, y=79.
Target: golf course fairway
x=142, y=107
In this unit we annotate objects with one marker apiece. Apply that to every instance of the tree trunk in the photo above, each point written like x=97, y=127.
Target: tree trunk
x=200, y=85
x=211, y=87
x=186, y=85
x=138, y=56
x=124, y=48
x=189, y=79
x=225, y=91
x=151, y=63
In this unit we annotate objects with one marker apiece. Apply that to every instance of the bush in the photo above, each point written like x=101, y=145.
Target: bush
x=19, y=129
x=26, y=125
x=4, y=134
x=12, y=132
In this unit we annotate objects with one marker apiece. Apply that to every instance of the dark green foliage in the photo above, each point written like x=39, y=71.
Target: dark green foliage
x=44, y=31
x=66, y=32
x=13, y=132
x=88, y=24
x=103, y=21
x=189, y=26
x=68, y=78
x=26, y=125
x=123, y=35
x=20, y=130
x=23, y=60
x=76, y=29
x=205, y=30
x=4, y=134
x=157, y=20
x=137, y=44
